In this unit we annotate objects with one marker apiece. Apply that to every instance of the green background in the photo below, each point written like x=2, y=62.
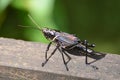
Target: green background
x=97, y=21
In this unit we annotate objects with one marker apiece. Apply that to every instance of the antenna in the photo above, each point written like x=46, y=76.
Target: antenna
x=34, y=21
x=29, y=27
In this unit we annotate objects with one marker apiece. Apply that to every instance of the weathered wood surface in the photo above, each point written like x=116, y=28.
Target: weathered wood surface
x=21, y=60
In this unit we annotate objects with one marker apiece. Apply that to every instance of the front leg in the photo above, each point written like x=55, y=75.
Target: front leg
x=46, y=53
x=47, y=50
x=46, y=60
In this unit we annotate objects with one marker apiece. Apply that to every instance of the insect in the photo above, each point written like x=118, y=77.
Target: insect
x=64, y=42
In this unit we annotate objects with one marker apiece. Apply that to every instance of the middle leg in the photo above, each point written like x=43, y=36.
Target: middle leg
x=63, y=59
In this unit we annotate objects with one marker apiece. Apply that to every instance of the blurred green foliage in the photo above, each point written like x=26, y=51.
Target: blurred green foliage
x=98, y=21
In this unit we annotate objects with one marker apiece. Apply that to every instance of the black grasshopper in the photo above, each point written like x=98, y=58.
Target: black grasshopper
x=64, y=42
